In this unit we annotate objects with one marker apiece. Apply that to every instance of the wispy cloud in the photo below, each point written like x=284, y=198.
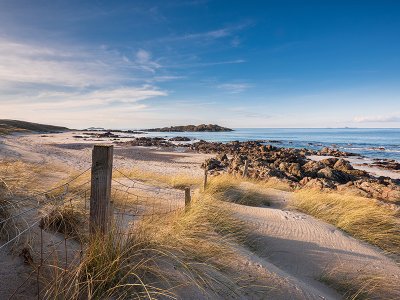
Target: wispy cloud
x=25, y=63
x=234, y=88
x=144, y=61
x=41, y=79
x=207, y=64
x=377, y=119
x=214, y=34
x=235, y=42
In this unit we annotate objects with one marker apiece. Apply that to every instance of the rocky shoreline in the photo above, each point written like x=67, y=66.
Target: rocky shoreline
x=293, y=167
x=290, y=165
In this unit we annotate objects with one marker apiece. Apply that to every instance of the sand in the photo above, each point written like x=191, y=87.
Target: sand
x=293, y=249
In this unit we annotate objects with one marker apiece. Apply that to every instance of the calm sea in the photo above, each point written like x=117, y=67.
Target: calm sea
x=374, y=143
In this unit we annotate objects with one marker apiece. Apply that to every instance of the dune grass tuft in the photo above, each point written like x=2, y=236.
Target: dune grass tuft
x=237, y=190
x=363, y=218
x=362, y=284
x=65, y=219
x=157, y=257
x=178, y=181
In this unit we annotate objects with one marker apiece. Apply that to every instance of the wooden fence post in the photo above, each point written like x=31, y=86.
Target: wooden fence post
x=246, y=166
x=205, y=177
x=101, y=208
x=188, y=198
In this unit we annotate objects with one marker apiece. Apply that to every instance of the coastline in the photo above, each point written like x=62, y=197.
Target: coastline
x=326, y=169
x=279, y=228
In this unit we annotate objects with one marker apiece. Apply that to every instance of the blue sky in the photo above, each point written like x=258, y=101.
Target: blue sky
x=136, y=64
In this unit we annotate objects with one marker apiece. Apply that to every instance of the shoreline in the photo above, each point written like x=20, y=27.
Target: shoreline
x=280, y=229
x=180, y=144
x=328, y=169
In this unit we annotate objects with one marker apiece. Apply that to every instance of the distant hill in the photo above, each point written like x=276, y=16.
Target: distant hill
x=11, y=126
x=191, y=128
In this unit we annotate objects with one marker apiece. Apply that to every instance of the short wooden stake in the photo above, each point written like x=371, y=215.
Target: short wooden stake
x=101, y=210
x=205, y=177
x=246, y=166
x=188, y=198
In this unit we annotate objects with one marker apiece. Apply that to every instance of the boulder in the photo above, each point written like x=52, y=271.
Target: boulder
x=334, y=175
x=317, y=183
x=312, y=167
x=293, y=169
x=343, y=165
x=330, y=162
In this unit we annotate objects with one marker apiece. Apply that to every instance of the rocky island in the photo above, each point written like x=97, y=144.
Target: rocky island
x=192, y=128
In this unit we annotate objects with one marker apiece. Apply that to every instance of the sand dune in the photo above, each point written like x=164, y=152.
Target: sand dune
x=293, y=250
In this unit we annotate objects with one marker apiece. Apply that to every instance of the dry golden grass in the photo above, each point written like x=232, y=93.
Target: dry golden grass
x=361, y=284
x=66, y=219
x=22, y=177
x=18, y=180
x=234, y=189
x=363, y=218
x=6, y=228
x=184, y=180
x=159, y=257
x=176, y=181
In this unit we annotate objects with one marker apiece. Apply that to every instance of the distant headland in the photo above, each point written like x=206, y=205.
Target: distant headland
x=12, y=126
x=192, y=128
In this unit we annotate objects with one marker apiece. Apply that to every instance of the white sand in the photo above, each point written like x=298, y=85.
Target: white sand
x=293, y=249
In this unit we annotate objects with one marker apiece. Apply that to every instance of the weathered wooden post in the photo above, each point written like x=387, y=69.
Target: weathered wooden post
x=205, y=176
x=101, y=208
x=246, y=166
x=188, y=198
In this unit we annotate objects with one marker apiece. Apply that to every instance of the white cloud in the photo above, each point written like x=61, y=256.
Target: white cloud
x=377, y=119
x=215, y=34
x=142, y=56
x=76, y=99
x=50, y=84
x=234, y=88
x=25, y=63
x=207, y=64
x=144, y=62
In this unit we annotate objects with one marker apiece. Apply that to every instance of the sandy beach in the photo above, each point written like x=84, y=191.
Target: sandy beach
x=293, y=249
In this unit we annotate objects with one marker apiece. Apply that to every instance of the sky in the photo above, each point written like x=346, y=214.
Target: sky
x=241, y=64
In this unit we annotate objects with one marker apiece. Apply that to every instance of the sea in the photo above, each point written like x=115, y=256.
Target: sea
x=372, y=143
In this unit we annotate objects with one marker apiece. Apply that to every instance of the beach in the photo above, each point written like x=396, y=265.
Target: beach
x=293, y=249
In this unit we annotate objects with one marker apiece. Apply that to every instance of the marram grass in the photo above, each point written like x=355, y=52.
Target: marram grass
x=363, y=218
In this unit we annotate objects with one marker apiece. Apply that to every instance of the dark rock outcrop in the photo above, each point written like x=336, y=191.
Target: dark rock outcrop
x=149, y=142
x=192, y=128
x=292, y=166
x=180, y=139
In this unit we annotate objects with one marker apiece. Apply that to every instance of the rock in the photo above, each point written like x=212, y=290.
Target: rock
x=212, y=164
x=317, y=183
x=107, y=134
x=343, y=165
x=293, y=169
x=334, y=175
x=180, y=139
x=289, y=165
x=329, y=161
x=222, y=157
x=388, y=164
x=150, y=142
x=312, y=167
x=335, y=152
